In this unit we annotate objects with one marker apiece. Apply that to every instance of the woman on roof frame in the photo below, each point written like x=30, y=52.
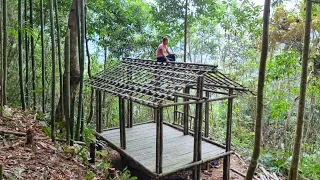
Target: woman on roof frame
x=162, y=48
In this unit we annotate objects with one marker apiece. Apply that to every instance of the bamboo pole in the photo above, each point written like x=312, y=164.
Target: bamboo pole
x=197, y=130
x=207, y=104
x=82, y=45
x=100, y=112
x=175, y=109
x=42, y=56
x=97, y=110
x=1, y=55
x=122, y=123
x=186, y=113
x=226, y=160
x=59, y=55
x=33, y=67
x=1, y=172
x=4, y=52
x=158, y=116
x=23, y=105
x=53, y=58
x=68, y=95
x=26, y=42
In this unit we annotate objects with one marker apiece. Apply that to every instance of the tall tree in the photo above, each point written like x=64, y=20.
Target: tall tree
x=33, y=67
x=1, y=54
x=185, y=32
x=53, y=88
x=43, y=69
x=262, y=71
x=4, y=53
x=23, y=105
x=59, y=54
x=80, y=105
x=26, y=41
x=293, y=173
x=67, y=72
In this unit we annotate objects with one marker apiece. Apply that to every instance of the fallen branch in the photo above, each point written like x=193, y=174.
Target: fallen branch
x=3, y=132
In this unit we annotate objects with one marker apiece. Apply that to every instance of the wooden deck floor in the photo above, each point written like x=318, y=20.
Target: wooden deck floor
x=177, y=148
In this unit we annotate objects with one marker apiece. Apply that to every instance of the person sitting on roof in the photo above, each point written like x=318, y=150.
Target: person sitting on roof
x=162, y=48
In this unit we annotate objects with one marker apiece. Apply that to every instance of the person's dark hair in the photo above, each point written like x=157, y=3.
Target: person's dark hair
x=164, y=38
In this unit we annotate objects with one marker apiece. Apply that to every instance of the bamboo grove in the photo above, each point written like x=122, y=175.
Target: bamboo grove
x=45, y=45
x=26, y=47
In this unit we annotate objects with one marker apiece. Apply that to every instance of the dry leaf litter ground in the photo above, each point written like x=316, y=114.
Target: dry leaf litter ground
x=45, y=160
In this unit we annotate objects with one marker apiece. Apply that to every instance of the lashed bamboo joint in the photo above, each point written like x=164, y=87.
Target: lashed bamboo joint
x=152, y=145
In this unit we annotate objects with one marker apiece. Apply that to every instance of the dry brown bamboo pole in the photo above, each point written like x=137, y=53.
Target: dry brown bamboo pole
x=226, y=160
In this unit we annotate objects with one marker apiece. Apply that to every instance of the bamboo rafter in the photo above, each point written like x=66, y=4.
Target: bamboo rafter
x=152, y=83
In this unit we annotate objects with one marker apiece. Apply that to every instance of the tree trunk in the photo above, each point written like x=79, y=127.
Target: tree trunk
x=185, y=32
x=74, y=63
x=33, y=67
x=80, y=103
x=43, y=65
x=26, y=42
x=23, y=105
x=263, y=60
x=59, y=55
x=4, y=55
x=53, y=85
x=293, y=173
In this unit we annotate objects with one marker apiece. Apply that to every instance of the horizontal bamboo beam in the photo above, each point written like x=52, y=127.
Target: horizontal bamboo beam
x=188, y=166
x=201, y=101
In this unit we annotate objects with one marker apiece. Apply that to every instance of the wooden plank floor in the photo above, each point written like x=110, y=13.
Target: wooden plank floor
x=177, y=148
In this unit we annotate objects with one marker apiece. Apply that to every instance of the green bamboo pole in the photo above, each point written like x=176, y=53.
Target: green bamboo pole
x=1, y=53
x=42, y=57
x=67, y=64
x=59, y=54
x=32, y=57
x=80, y=105
x=23, y=105
x=4, y=52
x=1, y=172
x=26, y=41
x=53, y=88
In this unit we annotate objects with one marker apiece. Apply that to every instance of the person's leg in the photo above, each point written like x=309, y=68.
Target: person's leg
x=171, y=57
x=161, y=59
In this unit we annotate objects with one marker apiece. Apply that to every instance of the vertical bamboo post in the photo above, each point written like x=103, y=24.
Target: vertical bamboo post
x=206, y=112
x=226, y=160
x=159, y=139
x=100, y=112
x=175, y=113
x=197, y=130
x=129, y=114
x=97, y=110
x=122, y=123
x=186, y=114
x=20, y=56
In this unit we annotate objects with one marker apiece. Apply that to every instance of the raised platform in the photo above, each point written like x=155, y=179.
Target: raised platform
x=177, y=148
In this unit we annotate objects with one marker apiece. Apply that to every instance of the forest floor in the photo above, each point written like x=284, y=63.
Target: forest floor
x=43, y=159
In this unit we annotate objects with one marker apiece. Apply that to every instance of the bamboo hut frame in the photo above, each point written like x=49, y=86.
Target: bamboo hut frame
x=160, y=85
